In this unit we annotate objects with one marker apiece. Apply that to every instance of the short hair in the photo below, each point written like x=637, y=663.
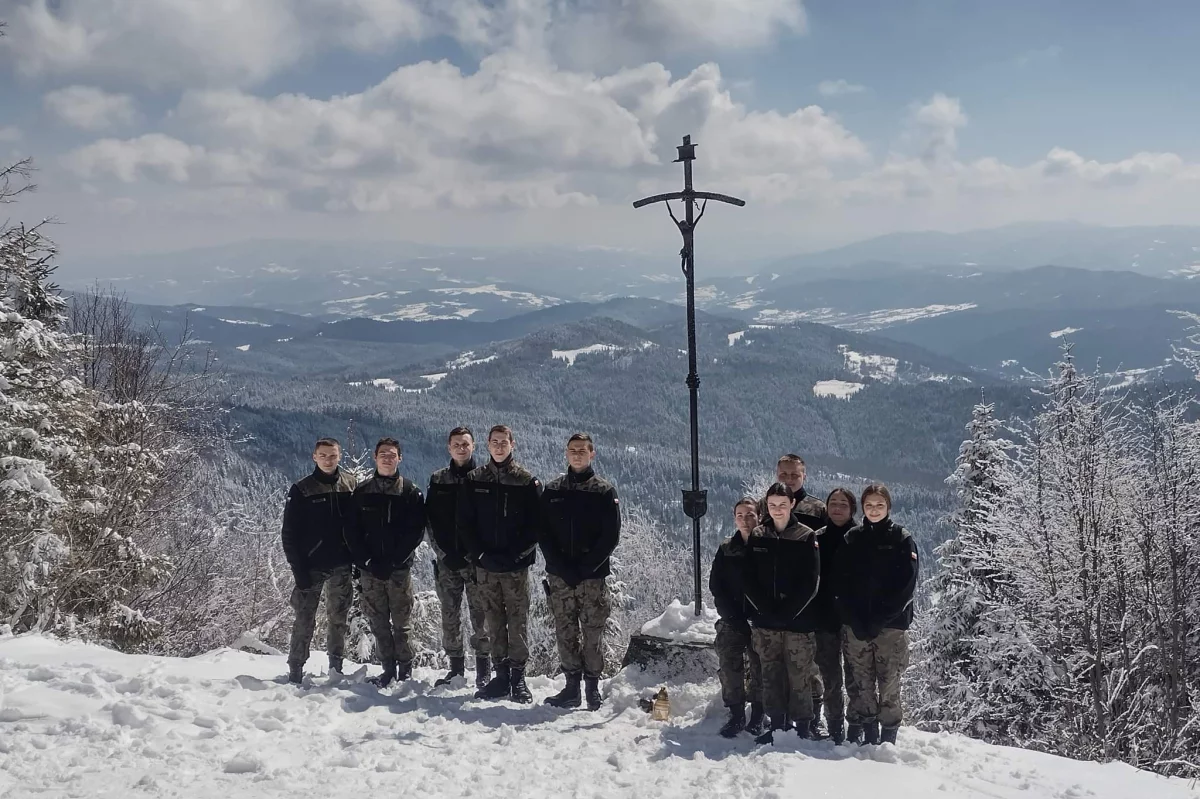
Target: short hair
x=845, y=492
x=790, y=458
x=881, y=490
x=746, y=501
x=388, y=442
x=460, y=431
x=502, y=428
x=327, y=442
x=586, y=437
x=779, y=490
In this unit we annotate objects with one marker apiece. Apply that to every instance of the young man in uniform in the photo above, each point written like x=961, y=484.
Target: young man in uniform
x=453, y=573
x=389, y=523
x=498, y=520
x=581, y=526
x=314, y=542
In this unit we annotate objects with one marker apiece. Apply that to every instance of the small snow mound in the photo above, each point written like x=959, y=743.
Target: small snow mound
x=679, y=623
x=243, y=348
x=244, y=762
x=506, y=735
x=42, y=674
x=250, y=642
x=842, y=389
x=126, y=715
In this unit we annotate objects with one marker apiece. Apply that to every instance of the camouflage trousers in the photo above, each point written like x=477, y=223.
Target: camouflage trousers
x=786, y=673
x=580, y=615
x=506, y=606
x=388, y=605
x=737, y=680
x=830, y=674
x=451, y=585
x=875, y=668
x=339, y=594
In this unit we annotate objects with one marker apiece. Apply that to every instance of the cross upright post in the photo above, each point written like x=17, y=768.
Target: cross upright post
x=695, y=501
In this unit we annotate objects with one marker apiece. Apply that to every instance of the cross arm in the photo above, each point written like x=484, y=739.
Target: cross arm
x=658, y=198
x=696, y=195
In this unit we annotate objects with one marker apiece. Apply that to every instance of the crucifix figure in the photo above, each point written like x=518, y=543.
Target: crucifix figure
x=695, y=501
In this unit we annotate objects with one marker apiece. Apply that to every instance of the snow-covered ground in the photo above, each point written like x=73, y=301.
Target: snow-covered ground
x=842, y=389
x=81, y=721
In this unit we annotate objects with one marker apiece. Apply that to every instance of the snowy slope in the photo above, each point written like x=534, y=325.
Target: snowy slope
x=78, y=720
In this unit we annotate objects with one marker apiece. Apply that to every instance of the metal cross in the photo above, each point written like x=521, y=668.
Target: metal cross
x=695, y=501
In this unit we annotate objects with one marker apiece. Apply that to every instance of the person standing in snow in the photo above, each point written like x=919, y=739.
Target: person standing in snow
x=453, y=574
x=726, y=583
x=782, y=572
x=314, y=541
x=840, y=507
x=580, y=528
x=875, y=576
x=388, y=525
x=497, y=520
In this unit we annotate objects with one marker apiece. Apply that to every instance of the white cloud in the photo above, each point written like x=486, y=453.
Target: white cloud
x=834, y=88
x=937, y=123
x=190, y=43
x=10, y=133
x=89, y=108
x=516, y=133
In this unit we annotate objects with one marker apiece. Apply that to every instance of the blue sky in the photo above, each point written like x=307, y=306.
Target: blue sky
x=193, y=121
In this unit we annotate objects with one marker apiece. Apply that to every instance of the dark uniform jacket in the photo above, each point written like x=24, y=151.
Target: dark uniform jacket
x=782, y=574
x=875, y=577
x=830, y=538
x=441, y=509
x=388, y=524
x=498, y=516
x=727, y=582
x=580, y=526
x=314, y=519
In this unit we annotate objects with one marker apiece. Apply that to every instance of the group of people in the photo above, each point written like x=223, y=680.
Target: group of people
x=810, y=600
x=486, y=522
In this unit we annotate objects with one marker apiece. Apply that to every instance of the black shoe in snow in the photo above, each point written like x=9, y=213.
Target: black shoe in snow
x=387, y=677
x=736, y=723
x=404, y=671
x=591, y=691
x=854, y=733
x=871, y=733
x=755, y=725
x=458, y=668
x=888, y=735
x=568, y=696
x=295, y=673
x=804, y=730
x=483, y=671
x=500, y=685
x=518, y=690
x=335, y=664
x=837, y=732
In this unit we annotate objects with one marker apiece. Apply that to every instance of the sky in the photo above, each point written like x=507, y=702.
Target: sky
x=168, y=124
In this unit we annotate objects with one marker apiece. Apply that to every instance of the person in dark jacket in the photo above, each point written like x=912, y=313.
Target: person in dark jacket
x=782, y=574
x=314, y=542
x=581, y=526
x=840, y=507
x=875, y=577
x=388, y=525
x=498, y=517
x=740, y=670
x=453, y=574
x=793, y=472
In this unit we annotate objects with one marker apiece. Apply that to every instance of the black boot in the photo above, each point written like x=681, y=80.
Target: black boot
x=837, y=732
x=888, y=735
x=296, y=673
x=483, y=671
x=404, y=671
x=871, y=733
x=736, y=723
x=804, y=730
x=854, y=733
x=569, y=696
x=591, y=691
x=755, y=725
x=335, y=664
x=500, y=685
x=518, y=690
x=768, y=737
x=458, y=667
x=388, y=676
